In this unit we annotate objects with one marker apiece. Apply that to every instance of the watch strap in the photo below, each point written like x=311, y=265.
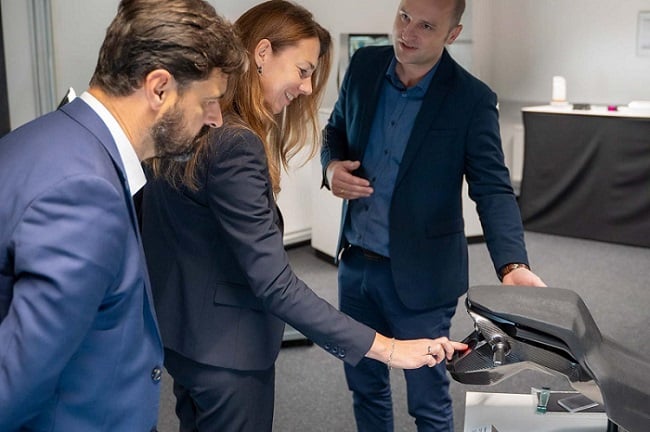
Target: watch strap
x=510, y=267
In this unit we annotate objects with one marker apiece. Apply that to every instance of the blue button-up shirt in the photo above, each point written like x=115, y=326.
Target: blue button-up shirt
x=397, y=108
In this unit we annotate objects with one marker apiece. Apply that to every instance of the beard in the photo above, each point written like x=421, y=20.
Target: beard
x=170, y=136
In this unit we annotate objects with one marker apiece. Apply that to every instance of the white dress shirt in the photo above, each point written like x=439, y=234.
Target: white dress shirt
x=134, y=173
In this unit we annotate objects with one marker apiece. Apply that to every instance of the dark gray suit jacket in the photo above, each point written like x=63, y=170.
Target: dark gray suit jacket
x=456, y=134
x=221, y=278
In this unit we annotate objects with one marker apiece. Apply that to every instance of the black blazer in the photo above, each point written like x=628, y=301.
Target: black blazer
x=221, y=279
x=456, y=134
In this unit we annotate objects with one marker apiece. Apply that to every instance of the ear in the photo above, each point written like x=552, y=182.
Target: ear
x=453, y=34
x=262, y=51
x=158, y=86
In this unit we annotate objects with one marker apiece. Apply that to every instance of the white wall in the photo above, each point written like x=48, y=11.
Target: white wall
x=592, y=43
x=20, y=85
x=79, y=27
x=518, y=45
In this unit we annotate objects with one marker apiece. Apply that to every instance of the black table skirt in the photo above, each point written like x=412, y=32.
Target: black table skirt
x=587, y=176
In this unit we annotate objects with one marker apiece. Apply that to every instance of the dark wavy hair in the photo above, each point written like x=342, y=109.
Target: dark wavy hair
x=185, y=37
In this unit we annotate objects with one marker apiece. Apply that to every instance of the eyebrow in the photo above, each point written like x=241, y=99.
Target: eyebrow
x=405, y=12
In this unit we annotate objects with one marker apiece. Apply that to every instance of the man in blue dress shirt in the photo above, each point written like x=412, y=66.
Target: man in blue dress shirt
x=408, y=126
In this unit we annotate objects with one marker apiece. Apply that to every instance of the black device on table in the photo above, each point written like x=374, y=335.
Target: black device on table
x=518, y=328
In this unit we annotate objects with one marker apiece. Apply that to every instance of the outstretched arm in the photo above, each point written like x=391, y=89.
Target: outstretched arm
x=412, y=354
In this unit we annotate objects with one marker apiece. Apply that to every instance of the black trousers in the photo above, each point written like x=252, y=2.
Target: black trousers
x=213, y=399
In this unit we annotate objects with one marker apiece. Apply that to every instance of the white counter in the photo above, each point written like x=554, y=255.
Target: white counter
x=516, y=413
x=595, y=110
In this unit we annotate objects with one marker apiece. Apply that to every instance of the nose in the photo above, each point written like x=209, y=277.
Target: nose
x=305, y=86
x=213, y=116
x=406, y=31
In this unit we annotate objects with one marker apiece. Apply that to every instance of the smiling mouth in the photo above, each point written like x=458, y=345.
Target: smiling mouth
x=289, y=97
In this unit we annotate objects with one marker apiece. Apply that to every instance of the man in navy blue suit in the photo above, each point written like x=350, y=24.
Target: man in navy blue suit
x=80, y=349
x=409, y=124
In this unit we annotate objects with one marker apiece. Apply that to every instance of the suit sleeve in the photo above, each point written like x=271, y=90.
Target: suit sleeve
x=238, y=197
x=66, y=251
x=335, y=141
x=490, y=186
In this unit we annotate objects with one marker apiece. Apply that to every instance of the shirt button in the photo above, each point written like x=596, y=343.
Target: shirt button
x=156, y=374
x=341, y=353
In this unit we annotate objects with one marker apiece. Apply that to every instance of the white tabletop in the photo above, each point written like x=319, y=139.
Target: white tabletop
x=516, y=413
x=595, y=110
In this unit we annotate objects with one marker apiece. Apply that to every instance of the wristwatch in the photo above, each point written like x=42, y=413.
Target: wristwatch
x=510, y=267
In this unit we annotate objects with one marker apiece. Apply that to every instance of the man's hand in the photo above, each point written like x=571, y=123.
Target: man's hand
x=343, y=183
x=523, y=277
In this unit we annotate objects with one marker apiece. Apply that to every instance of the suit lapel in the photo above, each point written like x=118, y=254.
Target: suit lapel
x=86, y=117
x=431, y=105
x=370, y=99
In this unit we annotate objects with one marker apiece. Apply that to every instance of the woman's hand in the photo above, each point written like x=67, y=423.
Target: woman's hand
x=414, y=353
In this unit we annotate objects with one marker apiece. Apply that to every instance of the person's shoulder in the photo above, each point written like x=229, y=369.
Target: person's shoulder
x=464, y=79
x=55, y=144
x=231, y=138
x=233, y=134
x=47, y=127
x=367, y=61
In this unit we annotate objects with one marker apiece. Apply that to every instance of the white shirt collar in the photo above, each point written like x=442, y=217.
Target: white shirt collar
x=134, y=173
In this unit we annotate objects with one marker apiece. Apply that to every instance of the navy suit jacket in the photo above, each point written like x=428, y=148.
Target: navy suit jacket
x=456, y=134
x=78, y=336
x=221, y=280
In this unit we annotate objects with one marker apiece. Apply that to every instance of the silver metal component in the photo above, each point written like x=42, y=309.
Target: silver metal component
x=495, y=337
x=500, y=350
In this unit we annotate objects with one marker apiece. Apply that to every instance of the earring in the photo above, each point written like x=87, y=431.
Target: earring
x=259, y=70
